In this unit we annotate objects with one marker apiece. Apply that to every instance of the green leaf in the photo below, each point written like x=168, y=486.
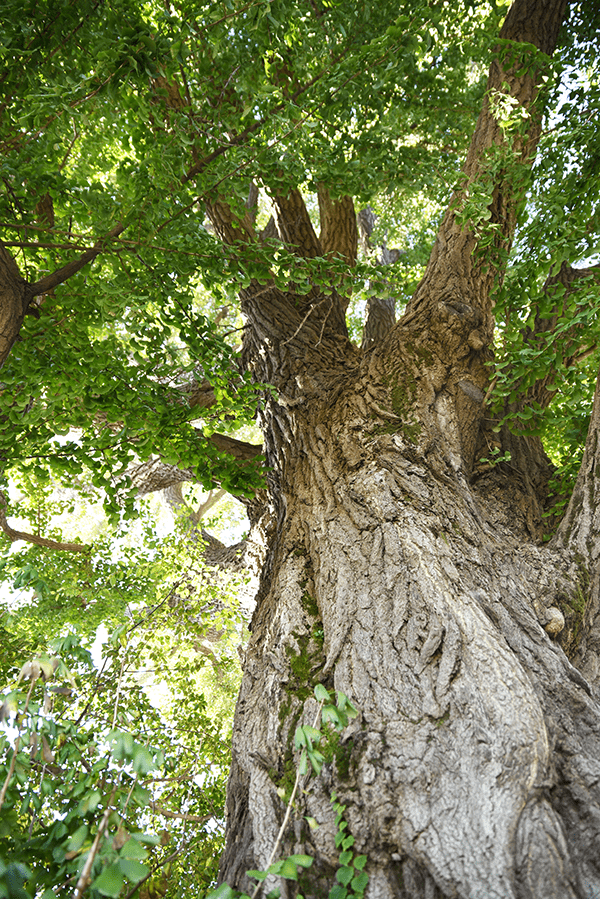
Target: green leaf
x=316, y=759
x=303, y=861
x=133, y=869
x=77, y=839
x=344, y=875
x=110, y=882
x=359, y=882
x=330, y=715
x=300, y=738
x=258, y=875
x=338, y=892
x=132, y=849
x=312, y=733
x=143, y=762
x=289, y=869
x=321, y=693
x=223, y=892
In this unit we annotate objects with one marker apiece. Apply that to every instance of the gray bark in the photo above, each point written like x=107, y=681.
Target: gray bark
x=473, y=769
x=416, y=583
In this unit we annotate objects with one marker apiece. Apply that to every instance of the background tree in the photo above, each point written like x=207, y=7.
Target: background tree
x=170, y=160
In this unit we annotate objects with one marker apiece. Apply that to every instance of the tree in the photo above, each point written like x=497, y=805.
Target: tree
x=407, y=486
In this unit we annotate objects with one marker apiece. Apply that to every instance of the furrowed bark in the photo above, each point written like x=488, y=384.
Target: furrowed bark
x=451, y=310
x=525, y=454
x=473, y=769
x=339, y=231
x=390, y=582
x=380, y=315
x=565, y=283
x=294, y=225
x=471, y=280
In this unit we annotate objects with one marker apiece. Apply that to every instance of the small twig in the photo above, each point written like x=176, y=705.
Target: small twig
x=119, y=685
x=13, y=760
x=325, y=321
x=312, y=308
x=162, y=864
x=490, y=390
x=85, y=874
x=180, y=816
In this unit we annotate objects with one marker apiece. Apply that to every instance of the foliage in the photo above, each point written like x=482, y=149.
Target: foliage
x=123, y=766
x=138, y=115
x=122, y=106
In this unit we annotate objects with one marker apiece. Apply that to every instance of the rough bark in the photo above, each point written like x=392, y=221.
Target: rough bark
x=579, y=531
x=473, y=769
x=380, y=314
x=396, y=576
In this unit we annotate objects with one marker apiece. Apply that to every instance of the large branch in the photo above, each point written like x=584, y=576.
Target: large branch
x=454, y=273
x=296, y=231
x=14, y=300
x=49, y=282
x=17, y=294
x=231, y=228
x=152, y=475
x=294, y=224
x=380, y=315
x=35, y=538
x=450, y=314
x=579, y=531
x=339, y=233
x=564, y=284
x=302, y=320
x=580, y=527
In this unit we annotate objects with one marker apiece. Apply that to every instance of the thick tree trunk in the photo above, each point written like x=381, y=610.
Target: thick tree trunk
x=473, y=768
x=415, y=581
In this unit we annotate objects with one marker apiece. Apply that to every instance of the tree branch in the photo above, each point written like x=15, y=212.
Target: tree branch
x=16, y=294
x=294, y=224
x=570, y=280
x=49, y=282
x=147, y=477
x=239, y=449
x=231, y=228
x=380, y=316
x=339, y=232
x=34, y=538
x=14, y=300
x=455, y=273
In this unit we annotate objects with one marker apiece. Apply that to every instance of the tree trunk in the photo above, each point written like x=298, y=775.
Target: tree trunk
x=415, y=581
x=473, y=767
x=14, y=302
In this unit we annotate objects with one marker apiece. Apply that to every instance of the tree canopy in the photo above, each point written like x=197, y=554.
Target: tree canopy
x=157, y=161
